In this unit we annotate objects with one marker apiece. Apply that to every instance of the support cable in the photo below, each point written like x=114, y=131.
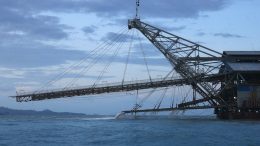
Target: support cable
x=73, y=66
x=144, y=57
x=186, y=95
x=159, y=102
x=140, y=104
x=128, y=57
x=109, y=63
x=95, y=60
x=173, y=96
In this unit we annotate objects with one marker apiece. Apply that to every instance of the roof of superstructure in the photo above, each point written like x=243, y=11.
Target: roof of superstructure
x=242, y=53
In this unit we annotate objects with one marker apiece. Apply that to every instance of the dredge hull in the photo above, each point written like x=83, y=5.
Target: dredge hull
x=253, y=115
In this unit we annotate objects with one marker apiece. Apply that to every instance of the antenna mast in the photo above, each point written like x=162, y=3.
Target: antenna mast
x=137, y=9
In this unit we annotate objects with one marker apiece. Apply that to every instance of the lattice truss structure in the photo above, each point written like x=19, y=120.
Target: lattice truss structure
x=191, y=60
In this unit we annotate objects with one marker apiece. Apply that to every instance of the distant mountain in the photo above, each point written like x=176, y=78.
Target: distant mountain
x=7, y=111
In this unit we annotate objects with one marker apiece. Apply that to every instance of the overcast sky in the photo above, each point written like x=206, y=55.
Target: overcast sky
x=41, y=38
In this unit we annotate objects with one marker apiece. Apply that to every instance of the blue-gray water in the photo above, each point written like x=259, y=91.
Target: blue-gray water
x=63, y=131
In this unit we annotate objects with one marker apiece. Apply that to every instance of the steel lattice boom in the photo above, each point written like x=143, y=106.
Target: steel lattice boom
x=106, y=88
x=178, y=51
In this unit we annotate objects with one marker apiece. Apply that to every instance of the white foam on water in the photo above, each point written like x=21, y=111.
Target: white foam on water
x=99, y=118
x=125, y=116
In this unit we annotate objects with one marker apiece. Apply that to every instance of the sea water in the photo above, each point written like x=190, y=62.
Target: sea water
x=73, y=131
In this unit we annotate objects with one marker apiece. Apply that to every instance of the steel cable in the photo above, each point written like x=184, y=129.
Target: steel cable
x=95, y=60
x=73, y=66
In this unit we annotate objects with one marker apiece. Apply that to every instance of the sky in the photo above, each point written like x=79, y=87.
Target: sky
x=42, y=39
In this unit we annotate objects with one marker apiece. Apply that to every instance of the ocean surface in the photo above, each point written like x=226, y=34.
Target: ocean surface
x=73, y=131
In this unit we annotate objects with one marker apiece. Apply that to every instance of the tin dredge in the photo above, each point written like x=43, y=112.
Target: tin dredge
x=228, y=82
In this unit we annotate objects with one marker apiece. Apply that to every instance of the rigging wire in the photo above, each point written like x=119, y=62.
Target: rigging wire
x=144, y=56
x=140, y=104
x=173, y=93
x=109, y=63
x=73, y=66
x=128, y=57
x=173, y=96
x=95, y=60
x=186, y=95
x=159, y=102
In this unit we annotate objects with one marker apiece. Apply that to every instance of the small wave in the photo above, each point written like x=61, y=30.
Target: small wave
x=99, y=118
x=124, y=116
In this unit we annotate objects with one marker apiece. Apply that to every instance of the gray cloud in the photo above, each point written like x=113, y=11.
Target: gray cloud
x=173, y=29
x=25, y=20
x=89, y=29
x=39, y=55
x=149, y=50
x=35, y=26
x=7, y=86
x=152, y=55
x=201, y=34
x=149, y=8
x=116, y=37
x=95, y=77
x=139, y=60
x=228, y=35
x=179, y=28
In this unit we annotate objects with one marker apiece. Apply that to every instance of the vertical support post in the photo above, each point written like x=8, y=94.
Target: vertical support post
x=137, y=9
x=194, y=95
